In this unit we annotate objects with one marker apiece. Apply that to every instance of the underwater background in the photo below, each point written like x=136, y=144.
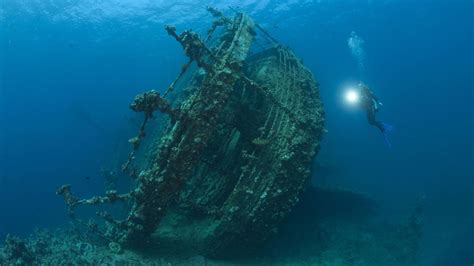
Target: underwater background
x=69, y=69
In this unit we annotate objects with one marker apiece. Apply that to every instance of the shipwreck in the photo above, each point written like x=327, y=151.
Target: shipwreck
x=223, y=153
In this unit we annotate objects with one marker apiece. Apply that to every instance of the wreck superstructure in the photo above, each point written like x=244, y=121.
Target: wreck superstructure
x=231, y=153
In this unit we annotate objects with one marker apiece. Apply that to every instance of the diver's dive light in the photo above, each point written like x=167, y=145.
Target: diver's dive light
x=352, y=95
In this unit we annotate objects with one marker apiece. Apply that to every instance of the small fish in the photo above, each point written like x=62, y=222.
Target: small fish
x=88, y=178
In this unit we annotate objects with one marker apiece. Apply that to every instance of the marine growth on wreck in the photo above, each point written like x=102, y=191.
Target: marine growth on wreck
x=223, y=152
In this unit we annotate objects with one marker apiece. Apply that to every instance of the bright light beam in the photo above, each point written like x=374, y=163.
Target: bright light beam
x=352, y=96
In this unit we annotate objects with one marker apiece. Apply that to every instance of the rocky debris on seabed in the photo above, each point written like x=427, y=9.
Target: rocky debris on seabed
x=318, y=232
x=68, y=247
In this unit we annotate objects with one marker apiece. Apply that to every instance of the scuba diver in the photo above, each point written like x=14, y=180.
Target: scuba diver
x=371, y=104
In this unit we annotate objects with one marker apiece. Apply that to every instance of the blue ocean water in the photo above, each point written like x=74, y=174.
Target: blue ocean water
x=69, y=69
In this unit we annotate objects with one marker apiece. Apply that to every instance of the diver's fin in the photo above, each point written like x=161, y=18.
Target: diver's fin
x=387, y=128
x=387, y=141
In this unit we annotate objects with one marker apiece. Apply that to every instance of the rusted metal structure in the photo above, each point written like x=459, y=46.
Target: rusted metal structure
x=232, y=152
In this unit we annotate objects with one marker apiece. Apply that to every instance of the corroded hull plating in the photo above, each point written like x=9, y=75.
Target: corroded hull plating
x=276, y=147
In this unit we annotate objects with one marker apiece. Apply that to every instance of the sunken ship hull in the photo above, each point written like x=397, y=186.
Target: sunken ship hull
x=231, y=153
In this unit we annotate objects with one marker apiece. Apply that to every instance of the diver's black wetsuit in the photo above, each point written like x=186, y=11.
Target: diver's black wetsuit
x=370, y=103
